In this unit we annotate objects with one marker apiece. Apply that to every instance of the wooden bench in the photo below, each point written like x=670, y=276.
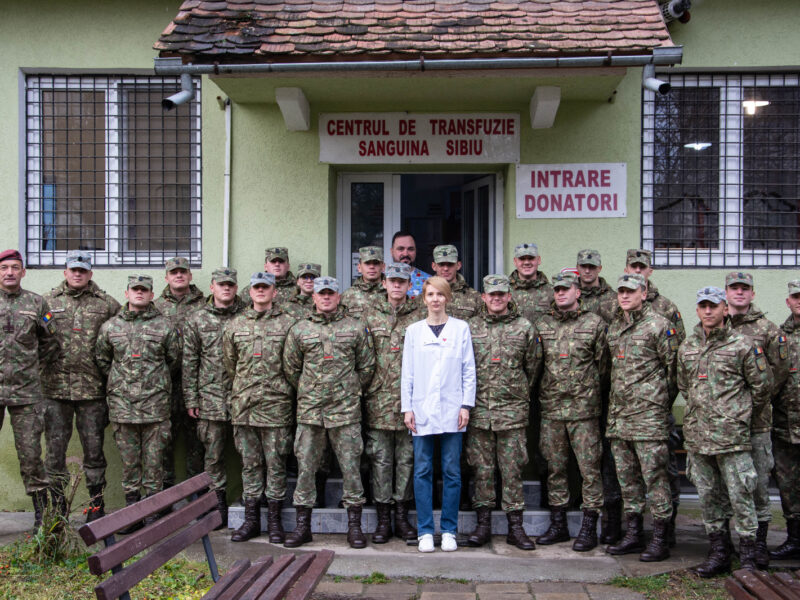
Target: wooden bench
x=758, y=585
x=290, y=576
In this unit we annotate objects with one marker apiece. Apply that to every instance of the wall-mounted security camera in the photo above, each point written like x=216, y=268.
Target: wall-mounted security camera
x=676, y=9
x=182, y=97
x=649, y=81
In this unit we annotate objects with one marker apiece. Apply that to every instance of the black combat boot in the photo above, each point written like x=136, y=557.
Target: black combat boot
x=516, y=532
x=483, y=527
x=252, y=521
x=383, y=530
x=274, y=522
x=97, y=506
x=790, y=549
x=612, y=524
x=718, y=560
x=658, y=548
x=222, y=507
x=355, y=537
x=131, y=498
x=747, y=553
x=302, y=531
x=633, y=540
x=558, y=531
x=672, y=539
x=402, y=528
x=39, y=498
x=762, y=552
x=587, y=536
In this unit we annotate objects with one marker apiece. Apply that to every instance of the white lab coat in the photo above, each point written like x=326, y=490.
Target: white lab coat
x=438, y=375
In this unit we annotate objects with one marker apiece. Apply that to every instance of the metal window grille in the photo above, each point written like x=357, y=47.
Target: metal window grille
x=109, y=171
x=721, y=171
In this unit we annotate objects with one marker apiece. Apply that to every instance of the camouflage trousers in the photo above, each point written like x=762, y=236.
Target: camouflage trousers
x=673, y=469
x=182, y=425
x=141, y=448
x=611, y=491
x=260, y=447
x=508, y=449
x=27, y=423
x=718, y=475
x=91, y=420
x=556, y=439
x=787, y=473
x=391, y=456
x=309, y=447
x=642, y=471
x=213, y=435
x=763, y=463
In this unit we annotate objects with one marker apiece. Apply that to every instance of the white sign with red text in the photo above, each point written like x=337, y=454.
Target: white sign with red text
x=592, y=190
x=409, y=138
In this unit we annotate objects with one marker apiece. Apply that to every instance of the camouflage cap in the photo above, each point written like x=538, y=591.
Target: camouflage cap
x=262, y=278
x=712, y=294
x=177, y=262
x=564, y=279
x=589, y=257
x=368, y=253
x=79, y=259
x=639, y=255
x=325, y=283
x=223, y=275
x=521, y=250
x=496, y=283
x=144, y=281
x=398, y=271
x=738, y=277
x=10, y=254
x=630, y=281
x=794, y=286
x=276, y=253
x=309, y=269
x=445, y=254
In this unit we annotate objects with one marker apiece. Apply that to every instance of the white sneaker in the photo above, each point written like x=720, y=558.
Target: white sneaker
x=425, y=543
x=449, y=542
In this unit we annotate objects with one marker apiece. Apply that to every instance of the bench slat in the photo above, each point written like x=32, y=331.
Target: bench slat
x=789, y=581
x=778, y=586
x=141, y=540
x=224, y=582
x=268, y=577
x=103, y=527
x=286, y=579
x=735, y=589
x=304, y=586
x=238, y=587
x=756, y=586
x=112, y=587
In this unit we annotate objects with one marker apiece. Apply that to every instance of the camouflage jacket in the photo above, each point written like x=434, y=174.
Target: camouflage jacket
x=300, y=306
x=388, y=329
x=532, y=297
x=286, y=290
x=252, y=348
x=724, y=378
x=763, y=332
x=575, y=362
x=361, y=294
x=466, y=302
x=329, y=360
x=508, y=358
x=176, y=310
x=643, y=370
x=786, y=406
x=137, y=351
x=601, y=300
x=666, y=308
x=77, y=317
x=29, y=338
x=205, y=381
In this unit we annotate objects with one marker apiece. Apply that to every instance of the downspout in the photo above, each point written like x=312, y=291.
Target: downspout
x=226, y=185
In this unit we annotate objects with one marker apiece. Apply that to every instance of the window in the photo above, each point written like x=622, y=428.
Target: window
x=109, y=171
x=721, y=171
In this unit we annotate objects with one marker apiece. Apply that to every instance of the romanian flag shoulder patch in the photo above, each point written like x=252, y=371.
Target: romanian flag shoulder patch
x=48, y=316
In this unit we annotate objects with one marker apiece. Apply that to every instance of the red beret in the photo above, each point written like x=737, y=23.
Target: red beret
x=10, y=255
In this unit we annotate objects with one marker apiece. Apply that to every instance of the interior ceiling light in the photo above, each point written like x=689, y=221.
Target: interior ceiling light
x=750, y=106
x=698, y=145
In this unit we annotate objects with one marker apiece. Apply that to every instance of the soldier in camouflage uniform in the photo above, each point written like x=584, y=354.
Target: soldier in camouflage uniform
x=74, y=386
x=746, y=319
x=508, y=357
x=206, y=385
x=261, y=405
x=597, y=295
x=575, y=362
x=137, y=351
x=28, y=341
x=368, y=288
x=786, y=432
x=466, y=301
x=388, y=444
x=725, y=379
x=643, y=347
x=177, y=301
x=276, y=262
x=302, y=305
x=328, y=358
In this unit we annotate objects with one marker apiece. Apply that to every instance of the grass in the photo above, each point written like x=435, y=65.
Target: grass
x=674, y=586
x=376, y=577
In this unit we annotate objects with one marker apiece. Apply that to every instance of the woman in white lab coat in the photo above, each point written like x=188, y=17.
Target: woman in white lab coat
x=438, y=391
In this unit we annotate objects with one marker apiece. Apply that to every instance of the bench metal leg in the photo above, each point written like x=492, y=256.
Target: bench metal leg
x=109, y=541
x=212, y=561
